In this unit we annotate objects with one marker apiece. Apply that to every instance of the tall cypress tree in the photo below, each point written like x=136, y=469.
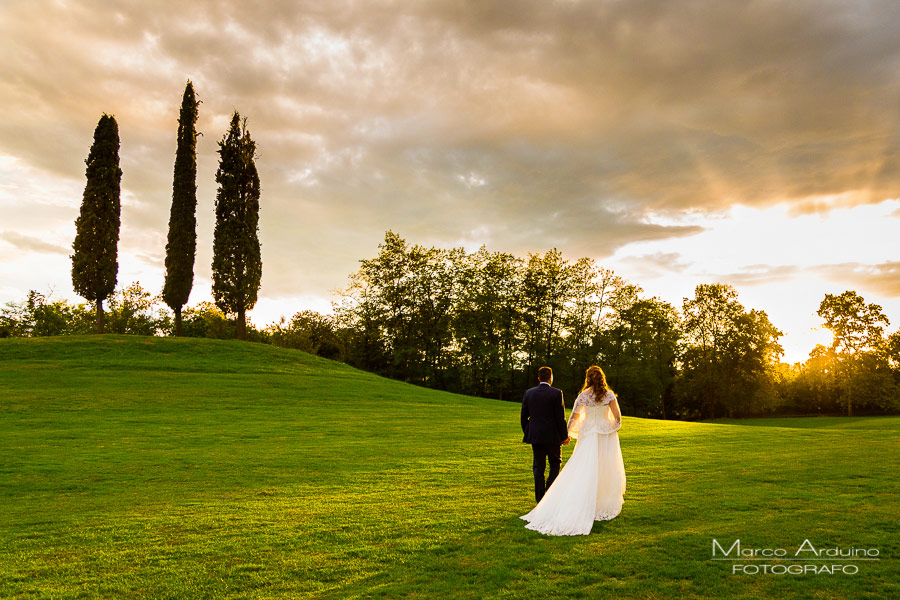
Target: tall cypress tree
x=182, y=243
x=237, y=264
x=94, y=263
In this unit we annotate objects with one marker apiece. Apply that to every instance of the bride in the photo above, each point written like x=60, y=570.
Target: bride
x=590, y=486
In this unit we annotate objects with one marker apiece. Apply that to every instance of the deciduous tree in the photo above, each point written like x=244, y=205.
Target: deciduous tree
x=731, y=356
x=858, y=329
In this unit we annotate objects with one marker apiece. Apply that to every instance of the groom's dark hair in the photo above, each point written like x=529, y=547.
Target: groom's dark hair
x=545, y=373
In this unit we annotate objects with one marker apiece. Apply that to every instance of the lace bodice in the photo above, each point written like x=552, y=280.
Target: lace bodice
x=591, y=415
x=588, y=398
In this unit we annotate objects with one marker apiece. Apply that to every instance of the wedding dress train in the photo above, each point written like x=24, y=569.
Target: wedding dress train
x=591, y=484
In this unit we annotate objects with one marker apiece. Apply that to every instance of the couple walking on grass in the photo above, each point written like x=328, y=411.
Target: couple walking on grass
x=590, y=487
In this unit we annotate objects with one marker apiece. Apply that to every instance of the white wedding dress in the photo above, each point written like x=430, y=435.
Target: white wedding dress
x=591, y=484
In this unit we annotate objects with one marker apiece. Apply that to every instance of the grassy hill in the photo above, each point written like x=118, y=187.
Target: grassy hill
x=182, y=468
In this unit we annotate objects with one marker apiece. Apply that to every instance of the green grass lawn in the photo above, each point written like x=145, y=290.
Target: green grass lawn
x=161, y=468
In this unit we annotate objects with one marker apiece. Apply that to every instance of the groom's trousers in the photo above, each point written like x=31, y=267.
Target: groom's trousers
x=542, y=454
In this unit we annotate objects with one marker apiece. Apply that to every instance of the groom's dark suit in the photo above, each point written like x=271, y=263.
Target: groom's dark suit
x=544, y=425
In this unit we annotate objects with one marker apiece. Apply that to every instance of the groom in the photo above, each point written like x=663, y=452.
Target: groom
x=544, y=424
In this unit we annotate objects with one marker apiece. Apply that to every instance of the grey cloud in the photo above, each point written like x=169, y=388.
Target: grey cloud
x=555, y=124
x=31, y=244
x=882, y=279
x=654, y=265
x=763, y=274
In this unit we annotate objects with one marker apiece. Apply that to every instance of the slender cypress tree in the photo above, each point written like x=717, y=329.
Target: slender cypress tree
x=237, y=264
x=182, y=244
x=94, y=263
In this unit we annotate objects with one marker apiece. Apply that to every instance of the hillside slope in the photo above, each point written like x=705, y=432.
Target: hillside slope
x=183, y=468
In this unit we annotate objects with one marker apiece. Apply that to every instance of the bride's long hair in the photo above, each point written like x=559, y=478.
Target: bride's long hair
x=595, y=379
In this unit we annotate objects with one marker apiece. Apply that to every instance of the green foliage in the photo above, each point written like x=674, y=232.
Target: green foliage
x=181, y=468
x=857, y=327
x=135, y=311
x=480, y=323
x=545, y=290
x=310, y=332
x=94, y=262
x=810, y=387
x=486, y=320
x=182, y=241
x=858, y=347
x=206, y=320
x=403, y=298
x=641, y=348
x=131, y=310
x=891, y=349
x=237, y=262
x=40, y=316
x=730, y=356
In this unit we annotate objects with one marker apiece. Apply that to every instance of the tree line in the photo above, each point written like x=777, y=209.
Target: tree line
x=237, y=261
x=482, y=322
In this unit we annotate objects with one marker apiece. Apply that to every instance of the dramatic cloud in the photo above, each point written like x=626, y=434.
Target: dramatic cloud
x=584, y=125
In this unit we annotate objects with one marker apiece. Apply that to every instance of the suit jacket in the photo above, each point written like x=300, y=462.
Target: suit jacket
x=544, y=416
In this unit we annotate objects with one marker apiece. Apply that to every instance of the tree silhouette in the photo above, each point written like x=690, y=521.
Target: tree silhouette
x=641, y=348
x=182, y=242
x=486, y=320
x=237, y=262
x=95, y=261
x=730, y=354
x=858, y=328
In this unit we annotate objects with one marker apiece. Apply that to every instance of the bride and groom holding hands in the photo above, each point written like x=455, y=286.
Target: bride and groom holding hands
x=590, y=486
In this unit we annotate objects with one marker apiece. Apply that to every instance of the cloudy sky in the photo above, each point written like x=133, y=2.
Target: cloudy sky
x=677, y=142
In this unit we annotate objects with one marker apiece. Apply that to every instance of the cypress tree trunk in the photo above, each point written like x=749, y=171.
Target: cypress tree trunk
x=100, y=316
x=178, y=321
x=241, y=324
x=95, y=259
